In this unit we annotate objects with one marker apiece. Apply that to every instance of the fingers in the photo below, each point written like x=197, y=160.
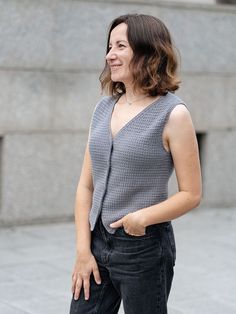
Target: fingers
x=96, y=275
x=117, y=224
x=81, y=279
x=73, y=283
x=86, y=288
x=77, y=288
x=85, y=282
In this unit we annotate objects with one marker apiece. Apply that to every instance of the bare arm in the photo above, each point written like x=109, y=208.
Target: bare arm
x=85, y=263
x=182, y=142
x=83, y=204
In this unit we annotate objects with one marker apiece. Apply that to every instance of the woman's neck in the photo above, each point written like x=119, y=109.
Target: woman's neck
x=135, y=97
x=132, y=94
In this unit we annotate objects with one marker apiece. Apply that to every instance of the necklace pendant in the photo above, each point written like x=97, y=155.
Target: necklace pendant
x=130, y=103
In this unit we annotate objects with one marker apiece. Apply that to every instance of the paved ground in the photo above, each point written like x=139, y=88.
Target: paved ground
x=36, y=264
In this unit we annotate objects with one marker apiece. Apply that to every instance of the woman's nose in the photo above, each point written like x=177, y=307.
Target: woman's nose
x=110, y=55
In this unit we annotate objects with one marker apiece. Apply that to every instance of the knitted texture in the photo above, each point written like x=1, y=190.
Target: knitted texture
x=131, y=170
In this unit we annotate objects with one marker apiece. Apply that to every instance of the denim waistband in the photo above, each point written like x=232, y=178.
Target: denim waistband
x=149, y=229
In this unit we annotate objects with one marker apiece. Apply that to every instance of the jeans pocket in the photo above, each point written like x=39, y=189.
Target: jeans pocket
x=122, y=233
x=171, y=238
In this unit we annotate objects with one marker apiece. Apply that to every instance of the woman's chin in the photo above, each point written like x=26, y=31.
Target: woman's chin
x=115, y=78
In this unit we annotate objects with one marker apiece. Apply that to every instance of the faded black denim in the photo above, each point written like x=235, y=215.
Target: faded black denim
x=137, y=269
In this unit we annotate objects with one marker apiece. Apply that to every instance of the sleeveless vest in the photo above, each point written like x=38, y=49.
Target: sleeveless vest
x=131, y=170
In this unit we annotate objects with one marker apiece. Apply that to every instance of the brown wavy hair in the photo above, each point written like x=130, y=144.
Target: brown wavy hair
x=154, y=64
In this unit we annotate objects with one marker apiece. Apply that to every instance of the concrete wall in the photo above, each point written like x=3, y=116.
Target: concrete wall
x=50, y=59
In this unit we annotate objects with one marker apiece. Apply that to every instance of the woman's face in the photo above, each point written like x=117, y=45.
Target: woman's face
x=119, y=55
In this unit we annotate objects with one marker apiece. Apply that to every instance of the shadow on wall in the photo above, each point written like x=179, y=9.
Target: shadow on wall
x=226, y=1
x=1, y=143
x=201, y=138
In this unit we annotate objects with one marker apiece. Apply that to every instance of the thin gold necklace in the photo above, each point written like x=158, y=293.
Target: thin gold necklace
x=131, y=102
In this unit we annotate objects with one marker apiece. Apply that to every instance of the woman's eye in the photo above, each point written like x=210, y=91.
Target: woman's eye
x=119, y=46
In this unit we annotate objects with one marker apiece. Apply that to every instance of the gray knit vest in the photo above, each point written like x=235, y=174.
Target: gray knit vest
x=131, y=171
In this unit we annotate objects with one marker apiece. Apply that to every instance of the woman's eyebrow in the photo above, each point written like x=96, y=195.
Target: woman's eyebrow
x=118, y=41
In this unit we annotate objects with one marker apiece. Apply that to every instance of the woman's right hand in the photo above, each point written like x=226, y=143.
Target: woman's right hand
x=85, y=265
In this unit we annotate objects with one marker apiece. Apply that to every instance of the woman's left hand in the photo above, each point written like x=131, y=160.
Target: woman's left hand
x=132, y=224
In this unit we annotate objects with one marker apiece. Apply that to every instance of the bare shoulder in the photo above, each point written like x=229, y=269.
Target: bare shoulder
x=179, y=126
x=179, y=112
x=179, y=117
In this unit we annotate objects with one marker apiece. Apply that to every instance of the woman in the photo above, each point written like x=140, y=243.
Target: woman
x=125, y=241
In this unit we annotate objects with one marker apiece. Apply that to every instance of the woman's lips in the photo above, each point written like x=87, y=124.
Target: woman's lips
x=115, y=67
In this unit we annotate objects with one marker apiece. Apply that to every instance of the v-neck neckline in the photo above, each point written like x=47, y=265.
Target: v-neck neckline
x=113, y=138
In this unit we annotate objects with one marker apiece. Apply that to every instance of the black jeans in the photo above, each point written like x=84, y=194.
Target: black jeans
x=137, y=269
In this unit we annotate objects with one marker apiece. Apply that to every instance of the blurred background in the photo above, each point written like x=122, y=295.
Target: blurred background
x=51, y=55
x=50, y=58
